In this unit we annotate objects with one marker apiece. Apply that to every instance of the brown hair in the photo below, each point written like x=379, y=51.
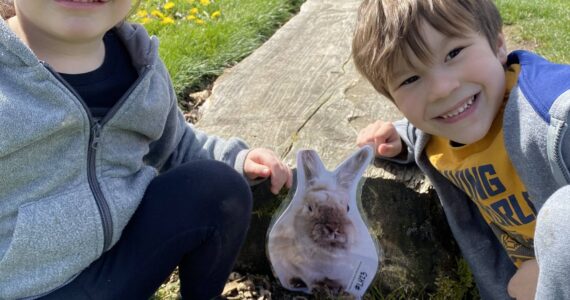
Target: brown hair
x=7, y=8
x=387, y=29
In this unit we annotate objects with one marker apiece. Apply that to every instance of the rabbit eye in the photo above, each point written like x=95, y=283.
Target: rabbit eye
x=347, y=208
x=310, y=208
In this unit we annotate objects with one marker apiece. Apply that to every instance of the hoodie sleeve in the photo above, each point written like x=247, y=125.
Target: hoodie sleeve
x=558, y=139
x=181, y=142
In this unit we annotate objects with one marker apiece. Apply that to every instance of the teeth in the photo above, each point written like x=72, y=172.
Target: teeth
x=459, y=110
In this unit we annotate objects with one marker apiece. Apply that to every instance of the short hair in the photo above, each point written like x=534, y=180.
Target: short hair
x=6, y=9
x=387, y=29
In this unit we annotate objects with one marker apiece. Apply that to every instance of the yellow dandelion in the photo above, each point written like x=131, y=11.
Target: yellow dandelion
x=216, y=14
x=169, y=5
x=145, y=20
x=200, y=22
x=205, y=2
x=142, y=13
x=191, y=17
x=157, y=14
x=194, y=11
x=167, y=20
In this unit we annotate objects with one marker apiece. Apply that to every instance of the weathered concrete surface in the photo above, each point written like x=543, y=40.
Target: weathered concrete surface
x=301, y=90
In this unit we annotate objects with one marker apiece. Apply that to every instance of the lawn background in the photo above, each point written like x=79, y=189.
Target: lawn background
x=543, y=26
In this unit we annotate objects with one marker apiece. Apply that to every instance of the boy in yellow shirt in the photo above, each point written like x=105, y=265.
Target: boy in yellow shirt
x=487, y=127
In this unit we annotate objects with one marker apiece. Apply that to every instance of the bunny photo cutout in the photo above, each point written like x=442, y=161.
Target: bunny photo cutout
x=320, y=241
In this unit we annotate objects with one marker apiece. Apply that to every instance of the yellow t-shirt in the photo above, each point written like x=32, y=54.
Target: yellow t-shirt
x=484, y=171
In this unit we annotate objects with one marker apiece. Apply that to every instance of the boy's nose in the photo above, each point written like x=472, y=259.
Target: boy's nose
x=441, y=85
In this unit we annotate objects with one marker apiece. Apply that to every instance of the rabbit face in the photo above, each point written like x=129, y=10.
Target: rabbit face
x=324, y=217
x=324, y=214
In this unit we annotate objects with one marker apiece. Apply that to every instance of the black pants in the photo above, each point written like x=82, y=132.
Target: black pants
x=195, y=217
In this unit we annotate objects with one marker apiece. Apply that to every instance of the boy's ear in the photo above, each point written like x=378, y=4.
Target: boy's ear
x=502, y=48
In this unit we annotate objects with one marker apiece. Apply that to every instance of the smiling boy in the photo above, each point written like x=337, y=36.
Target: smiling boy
x=487, y=127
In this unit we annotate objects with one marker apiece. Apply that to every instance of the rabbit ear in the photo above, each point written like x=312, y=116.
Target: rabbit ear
x=353, y=167
x=312, y=165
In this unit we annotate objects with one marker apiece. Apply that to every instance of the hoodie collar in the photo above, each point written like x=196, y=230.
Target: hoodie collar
x=12, y=51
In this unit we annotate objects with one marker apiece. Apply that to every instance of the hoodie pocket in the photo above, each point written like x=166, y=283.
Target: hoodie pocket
x=54, y=238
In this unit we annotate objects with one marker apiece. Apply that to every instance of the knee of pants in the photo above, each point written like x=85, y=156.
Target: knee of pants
x=210, y=188
x=223, y=182
x=552, y=226
x=234, y=192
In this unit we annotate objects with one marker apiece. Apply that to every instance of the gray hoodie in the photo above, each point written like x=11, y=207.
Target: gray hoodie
x=70, y=184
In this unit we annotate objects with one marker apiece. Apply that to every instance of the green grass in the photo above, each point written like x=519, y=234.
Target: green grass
x=196, y=54
x=541, y=23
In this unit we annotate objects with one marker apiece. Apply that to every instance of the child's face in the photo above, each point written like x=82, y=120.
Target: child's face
x=70, y=20
x=459, y=93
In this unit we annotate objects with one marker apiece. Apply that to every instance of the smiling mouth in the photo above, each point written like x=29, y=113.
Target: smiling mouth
x=459, y=110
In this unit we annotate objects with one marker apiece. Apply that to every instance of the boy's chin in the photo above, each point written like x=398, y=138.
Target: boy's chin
x=467, y=139
x=463, y=137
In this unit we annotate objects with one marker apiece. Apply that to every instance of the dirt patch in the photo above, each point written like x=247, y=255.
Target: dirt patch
x=192, y=103
x=513, y=36
x=246, y=287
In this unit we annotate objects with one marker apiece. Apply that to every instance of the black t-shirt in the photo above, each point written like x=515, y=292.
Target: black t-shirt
x=102, y=88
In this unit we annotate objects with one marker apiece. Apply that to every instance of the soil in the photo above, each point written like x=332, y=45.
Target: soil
x=247, y=287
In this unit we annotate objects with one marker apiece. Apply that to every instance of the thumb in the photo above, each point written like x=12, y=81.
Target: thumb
x=388, y=150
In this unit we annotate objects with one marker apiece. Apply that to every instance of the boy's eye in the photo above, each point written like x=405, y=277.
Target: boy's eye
x=453, y=53
x=410, y=80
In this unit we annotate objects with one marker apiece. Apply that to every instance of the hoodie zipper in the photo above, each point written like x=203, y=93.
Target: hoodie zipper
x=96, y=127
x=102, y=204
x=557, y=159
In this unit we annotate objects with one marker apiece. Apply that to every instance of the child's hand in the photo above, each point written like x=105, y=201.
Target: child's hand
x=523, y=284
x=383, y=137
x=263, y=163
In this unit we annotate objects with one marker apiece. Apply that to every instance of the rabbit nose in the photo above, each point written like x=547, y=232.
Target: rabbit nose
x=331, y=228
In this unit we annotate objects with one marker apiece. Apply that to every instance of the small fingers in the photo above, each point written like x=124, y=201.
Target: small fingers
x=263, y=163
x=389, y=150
x=280, y=176
x=382, y=136
x=255, y=171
